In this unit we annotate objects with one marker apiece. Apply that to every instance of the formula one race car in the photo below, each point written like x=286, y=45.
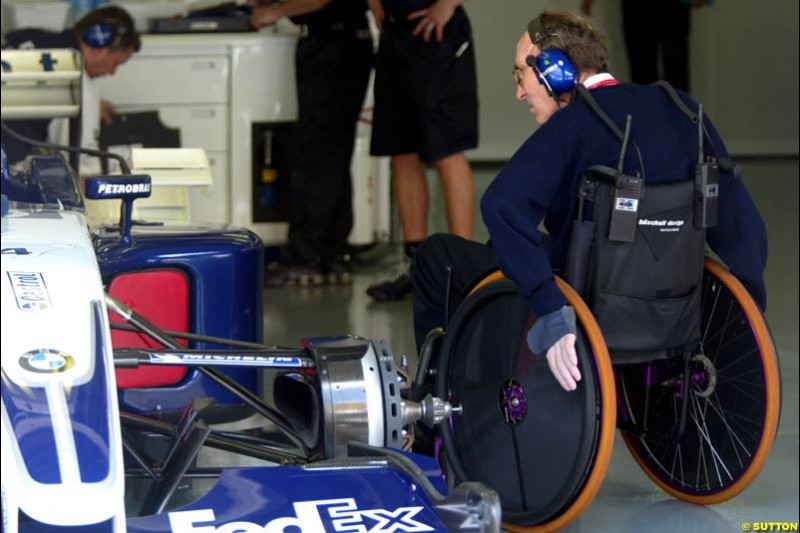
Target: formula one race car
x=105, y=412
x=96, y=432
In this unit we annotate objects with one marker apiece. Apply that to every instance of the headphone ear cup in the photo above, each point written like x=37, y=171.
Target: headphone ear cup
x=532, y=62
x=556, y=69
x=99, y=35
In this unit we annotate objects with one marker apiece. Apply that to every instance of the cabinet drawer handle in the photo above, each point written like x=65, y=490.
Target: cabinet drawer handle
x=203, y=65
x=202, y=114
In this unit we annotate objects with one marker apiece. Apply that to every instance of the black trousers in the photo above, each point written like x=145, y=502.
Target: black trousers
x=333, y=67
x=470, y=260
x=651, y=26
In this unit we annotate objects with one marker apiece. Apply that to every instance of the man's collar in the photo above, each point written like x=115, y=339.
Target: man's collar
x=599, y=80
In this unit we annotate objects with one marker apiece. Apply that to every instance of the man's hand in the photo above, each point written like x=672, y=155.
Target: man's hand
x=563, y=362
x=376, y=7
x=107, y=112
x=433, y=18
x=266, y=14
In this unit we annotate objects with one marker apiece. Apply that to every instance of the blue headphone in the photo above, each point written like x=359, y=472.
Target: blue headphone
x=101, y=34
x=553, y=67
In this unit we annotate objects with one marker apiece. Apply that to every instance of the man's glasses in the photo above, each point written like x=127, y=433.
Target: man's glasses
x=518, y=74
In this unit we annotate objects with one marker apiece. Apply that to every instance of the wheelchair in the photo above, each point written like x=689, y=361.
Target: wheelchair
x=699, y=419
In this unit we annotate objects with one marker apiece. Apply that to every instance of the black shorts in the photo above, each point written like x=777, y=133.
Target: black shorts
x=426, y=94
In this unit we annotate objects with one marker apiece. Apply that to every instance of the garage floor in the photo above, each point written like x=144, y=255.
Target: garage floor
x=628, y=500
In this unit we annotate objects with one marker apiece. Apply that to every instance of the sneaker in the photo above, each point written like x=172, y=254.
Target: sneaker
x=303, y=275
x=339, y=270
x=395, y=289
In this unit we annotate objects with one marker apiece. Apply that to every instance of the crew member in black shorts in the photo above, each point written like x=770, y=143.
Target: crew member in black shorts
x=426, y=113
x=333, y=63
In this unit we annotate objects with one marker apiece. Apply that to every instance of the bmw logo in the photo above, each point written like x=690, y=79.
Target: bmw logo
x=33, y=306
x=46, y=361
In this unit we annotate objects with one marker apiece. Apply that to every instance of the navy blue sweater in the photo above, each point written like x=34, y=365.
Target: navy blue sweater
x=540, y=179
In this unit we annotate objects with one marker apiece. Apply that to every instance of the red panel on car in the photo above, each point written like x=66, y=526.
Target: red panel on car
x=162, y=297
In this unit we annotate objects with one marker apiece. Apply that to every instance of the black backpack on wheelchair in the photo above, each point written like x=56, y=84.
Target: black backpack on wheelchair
x=673, y=351
x=637, y=259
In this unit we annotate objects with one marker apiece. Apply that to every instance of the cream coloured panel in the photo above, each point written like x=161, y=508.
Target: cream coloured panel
x=168, y=80
x=211, y=204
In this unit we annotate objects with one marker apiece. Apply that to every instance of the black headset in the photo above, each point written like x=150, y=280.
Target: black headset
x=553, y=67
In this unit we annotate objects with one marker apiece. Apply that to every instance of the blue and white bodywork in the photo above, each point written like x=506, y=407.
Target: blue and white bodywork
x=62, y=457
x=61, y=446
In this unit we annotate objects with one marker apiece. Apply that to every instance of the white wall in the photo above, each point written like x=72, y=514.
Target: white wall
x=745, y=63
x=744, y=68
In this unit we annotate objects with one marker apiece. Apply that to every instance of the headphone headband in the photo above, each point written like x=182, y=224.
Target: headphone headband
x=536, y=32
x=552, y=66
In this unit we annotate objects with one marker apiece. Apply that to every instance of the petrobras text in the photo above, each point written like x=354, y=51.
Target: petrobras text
x=318, y=516
x=122, y=188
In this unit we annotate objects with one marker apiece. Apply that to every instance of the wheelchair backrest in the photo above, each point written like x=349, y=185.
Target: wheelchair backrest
x=638, y=260
x=645, y=294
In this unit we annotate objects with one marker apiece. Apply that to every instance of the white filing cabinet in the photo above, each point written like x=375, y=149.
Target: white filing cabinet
x=214, y=87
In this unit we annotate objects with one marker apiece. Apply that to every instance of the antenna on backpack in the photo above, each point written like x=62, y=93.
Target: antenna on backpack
x=625, y=138
x=699, y=133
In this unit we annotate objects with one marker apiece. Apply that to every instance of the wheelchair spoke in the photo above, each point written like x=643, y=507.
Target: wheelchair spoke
x=677, y=458
x=629, y=411
x=731, y=433
x=520, y=473
x=725, y=323
x=710, y=288
x=732, y=384
x=661, y=460
x=739, y=420
x=739, y=378
x=728, y=364
x=701, y=454
x=701, y=461
x=744, y=423
x=715, y=318
x=723, y=347
x=704, y=433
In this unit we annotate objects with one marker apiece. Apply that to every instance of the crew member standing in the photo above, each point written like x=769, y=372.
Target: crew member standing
x=333, y=62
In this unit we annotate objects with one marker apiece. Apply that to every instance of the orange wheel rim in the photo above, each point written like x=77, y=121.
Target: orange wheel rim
x=608, y=423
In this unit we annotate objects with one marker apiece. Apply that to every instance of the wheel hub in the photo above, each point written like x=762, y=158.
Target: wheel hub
x=513, y=402
x=704, y=375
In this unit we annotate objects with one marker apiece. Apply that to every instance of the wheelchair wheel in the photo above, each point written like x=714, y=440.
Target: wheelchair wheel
x=733, y=406
x=543, y=449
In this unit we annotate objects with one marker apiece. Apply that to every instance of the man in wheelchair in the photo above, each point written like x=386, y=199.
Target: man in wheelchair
x=630, y=183
x=642, y=137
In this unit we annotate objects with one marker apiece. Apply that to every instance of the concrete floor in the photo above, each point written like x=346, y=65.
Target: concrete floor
x=628, y=500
